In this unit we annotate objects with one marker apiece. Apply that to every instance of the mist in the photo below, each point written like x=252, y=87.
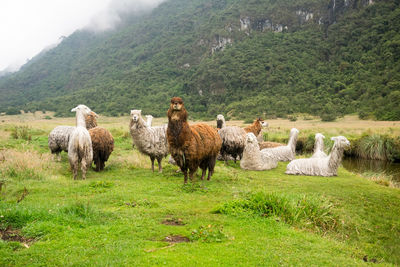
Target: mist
x=109, y=18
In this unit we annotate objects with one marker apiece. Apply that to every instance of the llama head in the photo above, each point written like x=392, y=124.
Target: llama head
x=262, y=122
x=220, y=121
x=341, y=141
x=82, y=109
x=294, y=132
x=136, y=114
x=176, y=103
x=251, y=138
x=149, y=117
x=319, y=136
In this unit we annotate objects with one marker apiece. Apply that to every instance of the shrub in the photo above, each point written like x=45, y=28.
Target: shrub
x=21, y=132
x=210, y=233
x=328, y=117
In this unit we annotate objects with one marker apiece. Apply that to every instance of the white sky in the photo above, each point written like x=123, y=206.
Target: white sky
x=28, y=26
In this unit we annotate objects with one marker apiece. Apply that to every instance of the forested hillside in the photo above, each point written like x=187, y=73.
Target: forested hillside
x=239, y=58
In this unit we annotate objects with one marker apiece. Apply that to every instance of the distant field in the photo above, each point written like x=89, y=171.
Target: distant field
x=129, y=216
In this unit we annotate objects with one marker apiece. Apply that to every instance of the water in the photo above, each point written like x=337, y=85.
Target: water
x=378, y=166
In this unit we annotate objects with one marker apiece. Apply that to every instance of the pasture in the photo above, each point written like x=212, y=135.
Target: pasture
x=129, y=216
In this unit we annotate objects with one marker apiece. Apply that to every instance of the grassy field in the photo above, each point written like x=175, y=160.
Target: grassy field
x=129, y=216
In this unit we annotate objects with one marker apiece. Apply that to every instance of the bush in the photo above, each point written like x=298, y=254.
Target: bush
x=21, y=132
x=328, y=117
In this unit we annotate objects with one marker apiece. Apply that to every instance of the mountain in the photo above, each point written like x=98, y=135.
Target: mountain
x=240, y=58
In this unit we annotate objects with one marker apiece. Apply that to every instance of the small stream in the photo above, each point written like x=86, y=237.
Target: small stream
x=378, y=166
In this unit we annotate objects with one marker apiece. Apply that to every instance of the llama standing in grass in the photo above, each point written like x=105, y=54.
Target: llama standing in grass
x=102, y=142
x=283, y=153
x=58, y=139
x=253, y=159
x=151, y=141
x=80, y=144
x=319, y=146
x=191, y=146
x=326, y=166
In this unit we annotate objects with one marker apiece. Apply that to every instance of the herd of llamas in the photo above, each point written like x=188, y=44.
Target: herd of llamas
x=191, y=146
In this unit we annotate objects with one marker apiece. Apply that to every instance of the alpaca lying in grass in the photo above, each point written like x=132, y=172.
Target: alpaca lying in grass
x=191, y=146
x=319, y=146
x=151, y=141
x=283, y=153
x=326, y=166
x=253, y=159
x=80, y=149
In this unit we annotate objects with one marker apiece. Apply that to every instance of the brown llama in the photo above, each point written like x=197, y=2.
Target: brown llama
x=256, y=127
x=191, y=146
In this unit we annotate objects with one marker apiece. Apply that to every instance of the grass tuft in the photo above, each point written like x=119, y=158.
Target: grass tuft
x=302, y=211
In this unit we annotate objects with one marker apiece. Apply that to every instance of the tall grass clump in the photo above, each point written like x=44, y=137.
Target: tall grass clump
x=302, y=211
x=377, y=147
x=23, y=165
x=21, y=132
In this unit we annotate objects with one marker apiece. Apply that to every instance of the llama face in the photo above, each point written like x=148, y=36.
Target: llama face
x=341, y=141
x=319, y=136
x=136, y=114
x=176, y=103
x=83, y=109
x=220, y=121
x=251, y=138
x=220, y=117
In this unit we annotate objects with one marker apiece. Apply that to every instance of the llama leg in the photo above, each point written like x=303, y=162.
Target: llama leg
x=185, y=175
x=75, y=170
x=102, y=164
x=203, y=173
x=152, y=163
x=58, y=154
x=159, y=165
x=84, y=169
x=191, y=174
x=211, y=166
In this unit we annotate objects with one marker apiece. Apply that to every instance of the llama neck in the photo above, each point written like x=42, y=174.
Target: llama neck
x=149, y=120
x=292, y=142
x=335, y=157
x=179, y=130
x=80, y=119
x=257, y=127
x=319, y=145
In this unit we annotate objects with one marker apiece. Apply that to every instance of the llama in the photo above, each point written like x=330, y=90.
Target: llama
x=283, y=153
x=102, y=141
x=80, y=144
x=191, y=146
x=58, y=138
x=220, y=121
x=319, y=146
x=256, y=127
x=233, y=142
x=151, y=141
x=149, y=120
x=326, y=166
x=253, y=159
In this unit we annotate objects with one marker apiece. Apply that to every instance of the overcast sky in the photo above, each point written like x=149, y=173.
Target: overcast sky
x=29, y=26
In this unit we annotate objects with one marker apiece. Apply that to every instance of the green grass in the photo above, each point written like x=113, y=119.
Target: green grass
x=114, y=218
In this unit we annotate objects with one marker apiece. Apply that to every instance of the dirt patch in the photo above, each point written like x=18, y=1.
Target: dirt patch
x=15, y=235
x=176, y=239
x=174, y=222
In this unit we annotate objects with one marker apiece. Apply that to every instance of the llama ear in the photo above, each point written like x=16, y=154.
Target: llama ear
x=132, y=111
x=140, y=111
x=333, y=138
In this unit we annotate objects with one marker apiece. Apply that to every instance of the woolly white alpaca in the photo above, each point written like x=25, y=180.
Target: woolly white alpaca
x=151, y=141
x=58, y=139
x=253, y=159
x=326, y=166
x=283, y=153
x=220, y=121
x=319, y=146
x=80, y=144
x=233, y=142
x=149, y=120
